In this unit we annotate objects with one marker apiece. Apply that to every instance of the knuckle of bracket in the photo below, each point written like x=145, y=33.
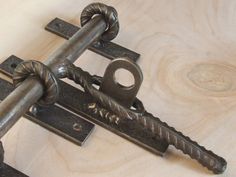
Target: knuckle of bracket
x=110, y=15
x=38, y=69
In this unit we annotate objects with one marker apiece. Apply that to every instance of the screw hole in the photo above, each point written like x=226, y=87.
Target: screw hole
x=154, y=138
x=13, y=65
x=33, y=110
x=124, y=78
x=77, y=127
x=58, y=25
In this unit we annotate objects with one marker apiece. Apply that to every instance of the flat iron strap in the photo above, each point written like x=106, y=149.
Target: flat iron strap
x=65, y=124
x=109, y=50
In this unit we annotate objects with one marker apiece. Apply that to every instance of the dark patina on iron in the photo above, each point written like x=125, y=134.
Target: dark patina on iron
x=109, y=104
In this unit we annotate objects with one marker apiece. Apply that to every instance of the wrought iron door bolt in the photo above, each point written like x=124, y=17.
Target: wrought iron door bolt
x=102, y=100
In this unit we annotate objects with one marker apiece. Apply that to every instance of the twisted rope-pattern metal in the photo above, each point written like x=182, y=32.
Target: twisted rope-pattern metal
x=36, y=68
x=205, y=157
x=158, y=128
x=110, y=15
x=84, y=79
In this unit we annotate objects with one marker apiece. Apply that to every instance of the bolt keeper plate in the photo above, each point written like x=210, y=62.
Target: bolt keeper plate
x=109, y=50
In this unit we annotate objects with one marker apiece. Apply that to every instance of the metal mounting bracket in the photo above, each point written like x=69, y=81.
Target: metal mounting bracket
x=109, y=50
x=74, y=127
x=54, y=118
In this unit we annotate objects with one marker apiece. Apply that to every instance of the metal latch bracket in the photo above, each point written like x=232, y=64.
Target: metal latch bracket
x=107, y=49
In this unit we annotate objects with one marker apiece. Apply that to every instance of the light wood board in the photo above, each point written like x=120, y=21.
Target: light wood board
x=188, y=50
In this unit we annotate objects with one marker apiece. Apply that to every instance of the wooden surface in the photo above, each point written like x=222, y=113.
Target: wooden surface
x=188, y=58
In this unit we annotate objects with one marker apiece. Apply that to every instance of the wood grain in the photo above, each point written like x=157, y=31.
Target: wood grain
x=188, y=52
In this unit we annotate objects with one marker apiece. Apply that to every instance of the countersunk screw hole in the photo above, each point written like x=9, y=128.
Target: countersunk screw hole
x=13, y=65
x=58, y=25
x=33, y=110
x=77, y=127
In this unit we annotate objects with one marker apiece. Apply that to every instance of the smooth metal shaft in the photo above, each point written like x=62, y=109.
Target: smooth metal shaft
x=31, y=90
x=20, y=99
x=72, y=49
